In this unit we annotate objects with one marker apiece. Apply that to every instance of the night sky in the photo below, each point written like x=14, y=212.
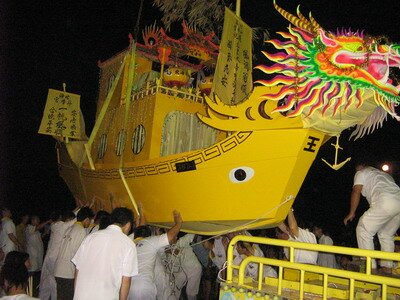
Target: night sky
x=45, y=43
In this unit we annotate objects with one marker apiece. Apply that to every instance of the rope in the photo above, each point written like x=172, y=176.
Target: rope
x=288, y=198
x=173, y=260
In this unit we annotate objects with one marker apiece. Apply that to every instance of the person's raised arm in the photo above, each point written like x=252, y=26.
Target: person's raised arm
x=41, y=225
x=292, y=223
x=15, y=241
x=282, y=226
x=172, y=233
x=141, y=221
x=111, y=199
x=124, y=289
x=354, y=202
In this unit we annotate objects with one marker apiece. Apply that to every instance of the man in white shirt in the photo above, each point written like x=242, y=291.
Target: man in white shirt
x=325, y=259
x=64, y=270
x=187, y=271
x=383, y=216
x=107, y=260
x=48, y=286
x=292, y=232
x=245, y=249
x=8, y=235
x=147, y=247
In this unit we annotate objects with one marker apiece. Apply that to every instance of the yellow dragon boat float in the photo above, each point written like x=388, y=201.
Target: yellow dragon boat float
x=180, y=124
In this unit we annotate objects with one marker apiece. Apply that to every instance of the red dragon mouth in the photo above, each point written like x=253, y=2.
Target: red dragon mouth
x=376, y=63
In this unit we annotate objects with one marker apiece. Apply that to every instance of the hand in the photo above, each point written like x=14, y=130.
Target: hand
x=177, y=217
x=348, y=218
x=225, y=241
x=92, y=203
x=140, y=208
x=80, y=204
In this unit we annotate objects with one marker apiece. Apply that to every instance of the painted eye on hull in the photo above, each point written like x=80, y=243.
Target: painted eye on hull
x=241, y=174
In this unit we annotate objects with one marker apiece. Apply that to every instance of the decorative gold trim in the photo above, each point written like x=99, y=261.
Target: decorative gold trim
x=169, y=166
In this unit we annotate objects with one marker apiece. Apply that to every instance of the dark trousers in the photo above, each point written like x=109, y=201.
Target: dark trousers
x=65, y=288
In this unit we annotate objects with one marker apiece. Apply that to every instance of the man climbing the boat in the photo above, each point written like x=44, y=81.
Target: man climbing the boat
x=383, y=216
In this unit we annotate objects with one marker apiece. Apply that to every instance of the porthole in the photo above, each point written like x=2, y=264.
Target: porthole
x=138, y=139
x=120, y=145
x=241, y=174
x=101, y=150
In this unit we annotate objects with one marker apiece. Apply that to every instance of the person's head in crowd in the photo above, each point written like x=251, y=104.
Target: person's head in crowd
x=160, y=230
x=122, y=217
x=280, y=234
x=67, y=216
x=35, y=220
x=231, y=235
x=244, y=248
x=143, y=231
x=397, y=246
x=15, y=258
x=360, y=163
x=6, y=212
x=208, y=243
x=345, y=260
x=55, y=216
x=318, y=231
x=85, y=216
x=102, y=219
x=24, y=219
x=14, y=279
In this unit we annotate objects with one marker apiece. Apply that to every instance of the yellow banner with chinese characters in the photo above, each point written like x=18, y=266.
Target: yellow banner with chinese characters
x=232, y=79
x=61, y=116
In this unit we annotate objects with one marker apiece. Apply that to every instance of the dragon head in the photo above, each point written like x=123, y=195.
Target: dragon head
x=331, y=81
x=358, y=58
x=329, y=72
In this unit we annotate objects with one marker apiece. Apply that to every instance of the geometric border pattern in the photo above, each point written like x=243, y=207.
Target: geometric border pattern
x=164, y=167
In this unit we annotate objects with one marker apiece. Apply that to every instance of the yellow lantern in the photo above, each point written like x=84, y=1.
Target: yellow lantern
x=205, y=85
x=175, y=77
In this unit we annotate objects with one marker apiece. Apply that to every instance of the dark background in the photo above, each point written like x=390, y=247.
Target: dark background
x=45, y=43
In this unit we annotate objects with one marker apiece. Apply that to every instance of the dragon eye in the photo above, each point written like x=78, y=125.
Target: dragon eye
x=168, y=72
x=241, y=174
x=360, y=48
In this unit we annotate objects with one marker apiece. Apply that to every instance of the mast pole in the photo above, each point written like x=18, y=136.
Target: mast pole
x=136, y=30
x=238, y=7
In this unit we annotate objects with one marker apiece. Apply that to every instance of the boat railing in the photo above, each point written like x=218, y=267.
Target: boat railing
x=323, y=276
x=157, y=87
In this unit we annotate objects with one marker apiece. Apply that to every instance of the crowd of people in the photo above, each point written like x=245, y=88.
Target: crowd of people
x=113, y=256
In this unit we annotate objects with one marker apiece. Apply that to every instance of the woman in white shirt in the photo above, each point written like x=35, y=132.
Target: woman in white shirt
x=34, y=243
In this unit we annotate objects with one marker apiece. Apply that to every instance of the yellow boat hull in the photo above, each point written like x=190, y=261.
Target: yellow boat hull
x=209, y=199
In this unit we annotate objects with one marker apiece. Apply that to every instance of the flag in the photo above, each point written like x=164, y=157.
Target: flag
x=61, y=116
x=232, y=81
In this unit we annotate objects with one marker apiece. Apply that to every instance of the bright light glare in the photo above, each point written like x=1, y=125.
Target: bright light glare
x=385, y=168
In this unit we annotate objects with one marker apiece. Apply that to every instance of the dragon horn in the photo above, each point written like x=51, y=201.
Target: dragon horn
x=314, y=23
x=300, y=15
x=293, y=19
